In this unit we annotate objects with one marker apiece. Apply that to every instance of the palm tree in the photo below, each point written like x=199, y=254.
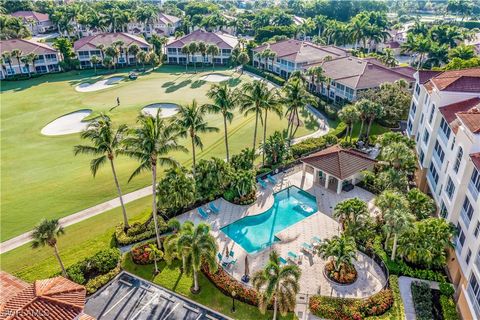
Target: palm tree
x=193, y=48
x=278, y=284
x=295, y=97
x=399, y=156
x=186, y=51
x=27, y=60
x=154, y=254
x=133, y=50
x=463, y=52
x=201, y=248
x=225, y=100
x=105, y=144
x=149, y=144
x=47, y=233
x=202, y=48
x=17, y=54
x=374, y=111
x=101, y=47
x=271, y=105
x=349, y=115
x=243, y=59
x=142, y=58
x=213, y=51
x=317, y=75
x=174, y=248
x=108, y=62
x=7, y=58
x=95, y=60
x=113, y=52
x=341, y=249
x=190, y=120
x=396, y=223
x=388, y=58
x=255, y=95
x=350, y=211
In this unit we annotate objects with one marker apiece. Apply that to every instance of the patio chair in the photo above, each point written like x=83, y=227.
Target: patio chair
x=213, y=208
x=292, y=256
x=202, y=213
x=282, y=260
x=272, y=179
x=307, y=247
x=232, y=253
x=220, y=257
x=262, y=184
x=232, y=264
x=316, y=240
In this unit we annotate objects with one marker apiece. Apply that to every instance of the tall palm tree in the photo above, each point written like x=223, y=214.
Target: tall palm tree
x=133, y=50
x=295, y=97
x=341, y=249
x=186, y=51
x=155, y=254
x=202, y=48
x=463, y=52
x=349, y=115
x=399, y=156
x=193, y=48
x=255, y=96
x=350, y=211
x=388, y=58
x=271, y=105
x=174, y=248
x=150, y=144
x=17, y=54
x=142, y=58
x=396, y=223
x=225, y=100
x=278, y=284
x=201, y=248
x=47, y=233
x=243, y=59
x=106, y=143
x=190, y=120
x=317, y=75
x=7, y=58
x=213, y=50
x=374, y=112
x=95, y=60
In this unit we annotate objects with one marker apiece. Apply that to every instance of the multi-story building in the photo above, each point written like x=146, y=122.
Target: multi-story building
x=292, y=55
x=225, y=42
x=47, y=58
x=95, y=45
x=36, y=22
x=163, y=25
x=348, y=76
x=444, y=120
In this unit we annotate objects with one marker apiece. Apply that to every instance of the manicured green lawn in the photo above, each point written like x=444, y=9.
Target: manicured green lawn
x=376, y=129
x=171, y=278
x=40, y=175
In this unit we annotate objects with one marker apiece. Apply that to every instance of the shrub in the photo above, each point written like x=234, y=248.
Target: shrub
x=307, y=146
x=422, y=300
x=339, y=131
x=265, y=74
x=140, y=255
x=377, y=304
x=139, y=231
x=75, y=273
x=449, y=310
x=96, y=283
x=446, y=289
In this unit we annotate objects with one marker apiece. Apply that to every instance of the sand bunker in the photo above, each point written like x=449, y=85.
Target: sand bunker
x=215, y=77
x=67, y=124
x=99, y=85
x=167, y=109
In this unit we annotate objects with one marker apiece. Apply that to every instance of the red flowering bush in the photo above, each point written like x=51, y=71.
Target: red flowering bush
x=140, y=255
x=347, y=274
x=377, y=304
x=225, y=283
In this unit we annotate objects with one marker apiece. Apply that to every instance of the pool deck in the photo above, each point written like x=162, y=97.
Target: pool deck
x=321, y=224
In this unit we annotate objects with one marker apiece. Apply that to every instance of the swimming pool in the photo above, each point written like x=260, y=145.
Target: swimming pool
x=255, y=233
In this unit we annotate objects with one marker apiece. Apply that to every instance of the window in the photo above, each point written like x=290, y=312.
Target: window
x=421, y=118
x=421, y=156
x=172, y=50
x=443, y=210
x=468, y=257
x=477, y=229
x=467, y=211
x=51, y=57
x=434, y=173
x=474, y=289
x=458, y=160
x=432, y=112
x=445, y=128
x=83, y=54
x=460, y=237
x=475, y=182
x=413, y=108
x=226, y=52
x=450, y=188
x=425, y=102
x=426, y=136
x=439, y=152
x=417, y=90
x=409, y=125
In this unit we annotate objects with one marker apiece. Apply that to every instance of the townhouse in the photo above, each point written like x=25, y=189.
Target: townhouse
x=444, y=120
x=47, y=58
x=292, y=55
x=95, y=45
x=35, y=21
x=225, y=42
x=349, y=76
x=163, y=25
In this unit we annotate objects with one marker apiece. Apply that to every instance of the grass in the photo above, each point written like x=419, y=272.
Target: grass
x=40, y=176
x=376, y=129
x=171, y=278
x=80, y=240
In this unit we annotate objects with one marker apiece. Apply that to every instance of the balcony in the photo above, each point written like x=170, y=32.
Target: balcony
x=473, y=190
x=465, y=218
x=443, y=137
x=474, y=301
x=432, y=182
x=437, y=159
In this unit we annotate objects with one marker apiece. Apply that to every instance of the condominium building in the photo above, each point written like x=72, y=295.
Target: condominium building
x=87, y=47
x=444, y=120
x=162, y=25
x=47, y=58
x=225, y=42
x=36, y=22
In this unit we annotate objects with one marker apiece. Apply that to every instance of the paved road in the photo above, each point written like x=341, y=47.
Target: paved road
x=79, y=216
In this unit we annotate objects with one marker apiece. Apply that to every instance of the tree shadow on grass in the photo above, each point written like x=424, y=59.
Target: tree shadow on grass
x=310, y=121
x=234, y=82
x=175, y=87
x=168, y=84
x=197, y=84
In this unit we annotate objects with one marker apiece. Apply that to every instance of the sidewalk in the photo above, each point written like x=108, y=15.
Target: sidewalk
x=406, y=293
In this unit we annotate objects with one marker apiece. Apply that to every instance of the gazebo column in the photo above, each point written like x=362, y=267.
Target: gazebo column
x=315, y=175
x=327, y=178
x=339, y=186
x=304, y=169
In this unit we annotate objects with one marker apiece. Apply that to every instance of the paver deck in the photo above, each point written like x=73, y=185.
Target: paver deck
x=321, y=224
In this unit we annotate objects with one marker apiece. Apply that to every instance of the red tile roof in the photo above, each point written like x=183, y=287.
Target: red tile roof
x=358, y=73
x=222, y=40
x=425, y=75
x=10, y=286
x=31, y=15
x=166, y=18
x=451, y=111
x=55, y=298
x=91, y=42
x=471, y=119
x=302, y=51
x=339, y=162
x=476, y=159
x=466, y=80
x=27, y=46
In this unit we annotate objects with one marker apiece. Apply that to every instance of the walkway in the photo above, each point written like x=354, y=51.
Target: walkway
x=79, y=216
x=406, y=293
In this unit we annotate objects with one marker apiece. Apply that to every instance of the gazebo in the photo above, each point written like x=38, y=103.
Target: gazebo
x=335, y=166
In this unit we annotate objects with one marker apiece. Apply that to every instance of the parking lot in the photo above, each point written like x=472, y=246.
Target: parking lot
x=132, y=298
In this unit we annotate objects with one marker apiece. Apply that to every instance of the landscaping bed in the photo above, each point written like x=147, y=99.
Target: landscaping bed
x=139, y=231
x=433, y=304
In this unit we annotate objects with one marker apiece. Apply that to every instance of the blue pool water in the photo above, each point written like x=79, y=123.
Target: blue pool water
x=255, y=233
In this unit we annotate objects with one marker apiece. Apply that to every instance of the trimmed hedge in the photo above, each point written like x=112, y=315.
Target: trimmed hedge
x=265, y=74
x=96, y=283
x=313, y=144
x=397, y=310
x=449, y=309
x=422, y=300
x=139, y=231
